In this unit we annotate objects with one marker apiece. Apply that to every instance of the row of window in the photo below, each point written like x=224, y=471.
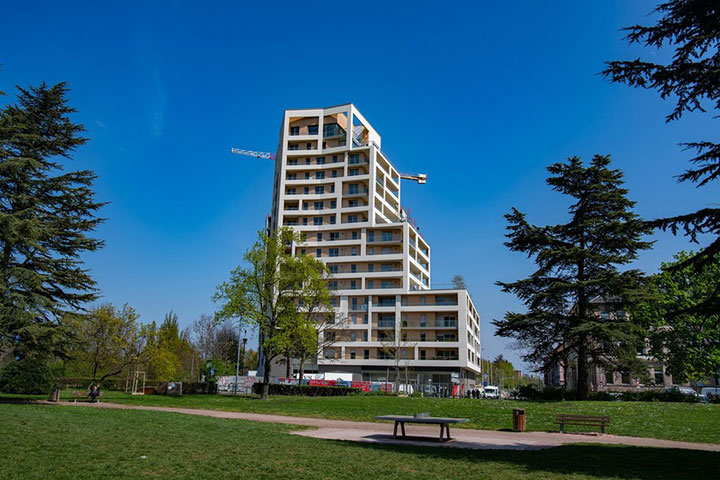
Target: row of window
x=331, y=353
x=329, y=130
x=384, y=267
x=353, y=188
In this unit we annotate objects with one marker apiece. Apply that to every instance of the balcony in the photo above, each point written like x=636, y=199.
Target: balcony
x=333, y=130
x=386, y=324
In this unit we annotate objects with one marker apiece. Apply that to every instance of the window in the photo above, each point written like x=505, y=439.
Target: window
x=334, y=236
x=354, y=303
x=659, y=380
x=319, y=175
x=371, y=267
x=334, y=158
x=353, y=319
x=294, y=130
x=332, y=188
x=308, y=146
x=370, y=284
x=422, y=337
x=626, y=378
x=353, y=251
x=333, y=268
x=333, y=285
x=353, y=188
x=423, y=355
x=354, y=203
x=318, y=253
x=302, y=252
x=312, y=129
x=329, y=353
x=317, y=220
x=422, y=300
x=609, y=378
x=354, y=235
x=307, y=175
x=291, y=191
x=422, y=319
x=366, y=354
x=333, y=204
x=353, y=269
x=333, y=252
x=352, y=350
x=335, y=301
x=386, y=267
x=293, y=147
x=332, y=220
x=371, y=236
x=334, y=173
x=370, y=251
x=353, y=285
x=307, y=161
x=386, y=250
x=320, y=160
x=386, y=284
x=292, y=161
x=353, y=172
x=387, y=236
x=319, y=190
x=319, y=205
x=352, y=219
x=319, y=237
x=354, y=159
x=292, y=176
x=304, y=220
x=365, y=335
x=306, y=190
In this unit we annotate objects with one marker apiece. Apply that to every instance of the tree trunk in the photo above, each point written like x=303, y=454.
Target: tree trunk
x=582, y=371
x=302, y=368
x=288, y=370
x=266, y=379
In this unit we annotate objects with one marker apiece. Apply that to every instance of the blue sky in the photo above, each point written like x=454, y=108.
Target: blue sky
x=480, y=96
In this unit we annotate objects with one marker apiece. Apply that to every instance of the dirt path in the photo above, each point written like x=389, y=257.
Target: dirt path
x=419, y=434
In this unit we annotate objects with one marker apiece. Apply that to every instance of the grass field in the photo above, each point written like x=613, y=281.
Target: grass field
x=671, y=421
x=39, y=442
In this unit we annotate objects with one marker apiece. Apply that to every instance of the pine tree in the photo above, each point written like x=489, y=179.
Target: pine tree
x=46, y=215
x=691, y=28
x=577, y=264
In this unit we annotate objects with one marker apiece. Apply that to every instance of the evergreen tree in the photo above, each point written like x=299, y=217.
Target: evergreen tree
x=691, y=28
x=577, y=263
x=46, y=215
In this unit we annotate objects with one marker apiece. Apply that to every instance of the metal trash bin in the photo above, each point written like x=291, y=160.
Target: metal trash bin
x=518, y=420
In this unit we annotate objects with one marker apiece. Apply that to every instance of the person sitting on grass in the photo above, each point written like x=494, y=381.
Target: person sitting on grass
x=94, y=392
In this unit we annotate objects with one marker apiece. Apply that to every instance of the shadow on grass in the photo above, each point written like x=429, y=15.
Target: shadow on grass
x=602, y=461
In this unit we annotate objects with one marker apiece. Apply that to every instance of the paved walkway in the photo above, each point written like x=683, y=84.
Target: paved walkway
x=419, y=434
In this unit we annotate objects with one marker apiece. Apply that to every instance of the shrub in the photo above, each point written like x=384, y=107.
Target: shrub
x=306, y=390
x=26, y=376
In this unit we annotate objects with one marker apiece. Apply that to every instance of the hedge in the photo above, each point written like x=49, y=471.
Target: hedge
x=26, y=376
x=529, y=392
x=306, y=390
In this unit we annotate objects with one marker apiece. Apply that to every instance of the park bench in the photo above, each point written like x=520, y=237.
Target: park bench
x=403, y=419
x=82, y=395
x=589, y=420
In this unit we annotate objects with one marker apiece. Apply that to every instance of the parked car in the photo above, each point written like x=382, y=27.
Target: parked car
x=492, y=392
x=688, y=391
x=710, y=392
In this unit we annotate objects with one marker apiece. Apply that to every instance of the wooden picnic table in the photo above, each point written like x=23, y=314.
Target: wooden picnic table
x=442, y=421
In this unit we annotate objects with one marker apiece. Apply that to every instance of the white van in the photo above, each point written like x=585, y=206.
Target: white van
x=492, y=392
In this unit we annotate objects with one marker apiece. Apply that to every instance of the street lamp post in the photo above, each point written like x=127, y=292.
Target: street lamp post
x=237, y=363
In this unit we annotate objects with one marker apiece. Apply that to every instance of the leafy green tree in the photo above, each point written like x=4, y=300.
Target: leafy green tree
x=688, y=342
x=458, y=281
x=691, y=29
x=265, y=293
x=109, y=341
x=46, y=215
x=576, y=263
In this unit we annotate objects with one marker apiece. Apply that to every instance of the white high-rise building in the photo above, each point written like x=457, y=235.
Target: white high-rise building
x=334, y=184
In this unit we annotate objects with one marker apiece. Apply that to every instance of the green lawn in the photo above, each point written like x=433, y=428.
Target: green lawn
x=42, y=442
x=671, y=421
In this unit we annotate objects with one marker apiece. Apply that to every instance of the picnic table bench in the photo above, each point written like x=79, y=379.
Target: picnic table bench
x=591, y=420
x=442, y=421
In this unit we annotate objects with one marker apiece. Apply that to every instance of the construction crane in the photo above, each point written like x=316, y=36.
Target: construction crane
x=420, y=178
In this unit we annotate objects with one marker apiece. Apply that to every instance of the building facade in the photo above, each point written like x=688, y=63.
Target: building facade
x=334, y=184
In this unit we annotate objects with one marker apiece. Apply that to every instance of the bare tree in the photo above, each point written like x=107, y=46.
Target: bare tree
x=458, y=281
